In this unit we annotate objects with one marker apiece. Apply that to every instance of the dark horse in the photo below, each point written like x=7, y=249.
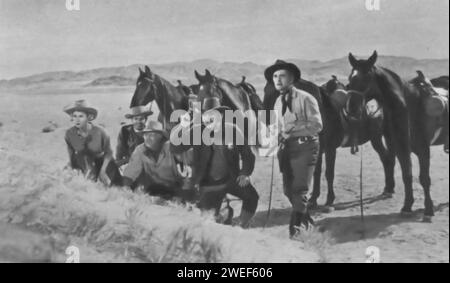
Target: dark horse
x=241, y=97
x=435, y=103
x=347, y=123
x=403, y=127
x=151, y=87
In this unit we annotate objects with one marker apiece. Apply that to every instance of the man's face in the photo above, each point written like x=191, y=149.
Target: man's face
x=80, y=119
x=282, y=79
x=139, y=122
x=153, y=140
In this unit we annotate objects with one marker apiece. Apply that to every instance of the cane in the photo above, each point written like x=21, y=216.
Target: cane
x=271, y=192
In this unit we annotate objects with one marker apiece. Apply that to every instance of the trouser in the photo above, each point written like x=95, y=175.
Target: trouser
x=297, y=164
x=91, y=168
x=211, y=197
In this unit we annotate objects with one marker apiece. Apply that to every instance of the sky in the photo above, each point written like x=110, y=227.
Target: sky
x=42, y=35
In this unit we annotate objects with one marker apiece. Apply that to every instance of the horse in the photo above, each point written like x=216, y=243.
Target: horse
x=403, y=126
x=346, y=124
x=435, y=103
x=152, y=87
x=187, y=90
x=236, y=98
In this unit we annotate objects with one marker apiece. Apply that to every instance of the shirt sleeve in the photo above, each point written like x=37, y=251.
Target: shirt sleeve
x=70, y=150
x=134, y=167
x=106, y=144
x=248, y=160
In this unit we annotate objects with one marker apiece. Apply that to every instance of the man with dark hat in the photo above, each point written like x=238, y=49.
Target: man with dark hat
x=130, y=136
x=300, y=124
x=219, y=171
x=216, y=168
x=159, y=165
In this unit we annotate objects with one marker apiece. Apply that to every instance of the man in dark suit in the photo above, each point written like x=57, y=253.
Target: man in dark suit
x=216, y=169
x=130, y=136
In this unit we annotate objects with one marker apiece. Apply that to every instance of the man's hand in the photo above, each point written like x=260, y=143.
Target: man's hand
x=243, y=181
x=104, y=178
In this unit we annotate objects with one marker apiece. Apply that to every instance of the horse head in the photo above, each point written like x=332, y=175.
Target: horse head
x=423, y=85
x=146, y=88
x=362, y=75
x=208, y=86
x=183, y=88
x=333, y=85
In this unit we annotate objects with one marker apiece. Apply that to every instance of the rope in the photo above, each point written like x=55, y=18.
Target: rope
x=361, y=194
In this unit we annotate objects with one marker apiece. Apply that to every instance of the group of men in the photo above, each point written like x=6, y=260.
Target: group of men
x=149, y=159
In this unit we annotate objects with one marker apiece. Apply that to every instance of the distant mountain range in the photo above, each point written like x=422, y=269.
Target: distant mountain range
x=316, y=71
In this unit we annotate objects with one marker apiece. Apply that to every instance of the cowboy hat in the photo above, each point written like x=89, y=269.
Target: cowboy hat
x=282, y=65
x=82, y=106
x=155, y=127
x=139, y=111
x=212, y=103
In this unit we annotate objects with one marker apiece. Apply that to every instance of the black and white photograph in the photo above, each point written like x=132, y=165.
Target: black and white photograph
x=224, y=132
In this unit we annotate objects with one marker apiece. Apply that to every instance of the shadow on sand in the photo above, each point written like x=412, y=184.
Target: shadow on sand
x=349, y=228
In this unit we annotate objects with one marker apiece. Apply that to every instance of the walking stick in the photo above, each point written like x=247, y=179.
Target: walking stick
x=271, y=192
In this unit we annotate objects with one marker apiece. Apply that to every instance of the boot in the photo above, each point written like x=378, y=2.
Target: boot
x=244, y=219
x=294, y=224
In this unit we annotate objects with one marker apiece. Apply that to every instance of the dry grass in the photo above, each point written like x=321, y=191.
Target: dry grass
x=114, y=225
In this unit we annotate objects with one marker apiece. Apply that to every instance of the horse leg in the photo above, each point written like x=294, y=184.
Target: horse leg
x=330, y=160
x=403, y=150
x=387, y=157
x=317, y=175
x=424, y=162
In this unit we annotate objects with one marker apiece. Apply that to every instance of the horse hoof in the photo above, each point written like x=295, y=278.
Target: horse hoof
x=328, y=209
x=427, y=219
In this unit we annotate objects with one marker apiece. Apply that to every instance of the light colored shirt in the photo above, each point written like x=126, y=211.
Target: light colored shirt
x=162, y=171
x=304, y=120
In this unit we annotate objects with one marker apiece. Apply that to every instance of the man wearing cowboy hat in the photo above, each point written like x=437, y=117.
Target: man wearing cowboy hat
x=89, y=145
x=300, y=124
x=159, y=165
x=130, y=136
x=217, y=169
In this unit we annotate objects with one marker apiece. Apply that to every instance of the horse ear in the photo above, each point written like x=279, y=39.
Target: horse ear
x=208, y=73
x=420, y=74
x=140, y=71
x=147, y=70
x=334, y=77
x=243, y=79
x=352, y=60
x=373, y=59
x=198, y=76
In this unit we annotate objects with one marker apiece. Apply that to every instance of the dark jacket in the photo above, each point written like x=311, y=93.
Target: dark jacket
x=127, y=142
x=202, y=156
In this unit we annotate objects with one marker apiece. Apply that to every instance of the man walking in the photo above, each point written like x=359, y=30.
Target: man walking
x=300, y=124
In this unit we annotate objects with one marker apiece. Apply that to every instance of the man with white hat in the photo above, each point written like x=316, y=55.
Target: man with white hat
x=159, y=165
x=130, y=136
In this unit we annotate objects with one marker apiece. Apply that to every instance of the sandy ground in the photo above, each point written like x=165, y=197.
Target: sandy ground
x=339, y=236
